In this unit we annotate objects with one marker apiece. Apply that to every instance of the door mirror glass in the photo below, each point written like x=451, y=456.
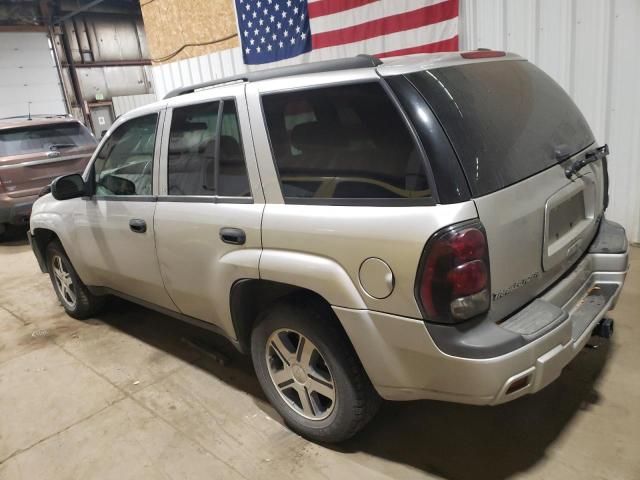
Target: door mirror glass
x=118, y=185
x=68, y=186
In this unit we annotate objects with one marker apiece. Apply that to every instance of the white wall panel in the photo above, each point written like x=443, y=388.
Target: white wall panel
x=589, y=46
x=123, y=104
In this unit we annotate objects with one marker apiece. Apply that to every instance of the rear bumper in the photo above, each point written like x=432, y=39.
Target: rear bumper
x=404, y=362
x=16, y=211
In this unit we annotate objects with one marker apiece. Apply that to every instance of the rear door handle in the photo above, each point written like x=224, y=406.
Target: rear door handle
x=234, y=236
x=137, y=225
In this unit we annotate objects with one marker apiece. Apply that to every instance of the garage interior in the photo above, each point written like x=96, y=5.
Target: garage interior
x=134, y=394
x=89, y=60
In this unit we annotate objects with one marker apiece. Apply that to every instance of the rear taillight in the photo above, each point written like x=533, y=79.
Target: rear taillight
x=453, y=282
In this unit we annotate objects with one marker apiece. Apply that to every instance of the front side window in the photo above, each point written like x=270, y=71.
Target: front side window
x=124, y=165
x=205, y=152
x=343, y=142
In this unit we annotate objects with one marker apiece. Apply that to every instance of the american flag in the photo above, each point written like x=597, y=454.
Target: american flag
x=273, y=30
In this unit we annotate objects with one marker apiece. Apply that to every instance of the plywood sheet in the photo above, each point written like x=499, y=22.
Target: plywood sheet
x=170, y=24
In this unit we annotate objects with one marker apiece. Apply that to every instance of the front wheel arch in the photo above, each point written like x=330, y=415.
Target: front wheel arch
x=41, y=237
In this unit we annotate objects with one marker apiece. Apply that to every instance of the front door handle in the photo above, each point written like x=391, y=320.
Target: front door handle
x=234, y=236
x=137, y=225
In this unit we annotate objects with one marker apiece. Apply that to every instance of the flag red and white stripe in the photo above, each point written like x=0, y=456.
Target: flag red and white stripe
x=385, y=28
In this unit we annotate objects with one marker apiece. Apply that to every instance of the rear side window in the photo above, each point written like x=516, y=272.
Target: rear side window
x=507, y=120
x=42, y=138
x=344, y=142
x=205, y=152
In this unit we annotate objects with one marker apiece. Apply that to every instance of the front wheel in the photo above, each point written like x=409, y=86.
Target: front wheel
x=310, y=372
x=74, y=296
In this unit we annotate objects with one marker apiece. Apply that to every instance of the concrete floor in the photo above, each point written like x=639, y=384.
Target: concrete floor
x=129, y=395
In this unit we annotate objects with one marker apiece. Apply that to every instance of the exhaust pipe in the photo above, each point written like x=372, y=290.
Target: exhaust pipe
x=604, y=328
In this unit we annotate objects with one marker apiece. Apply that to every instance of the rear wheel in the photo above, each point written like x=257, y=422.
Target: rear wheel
x=74, y=296
x=310, y=372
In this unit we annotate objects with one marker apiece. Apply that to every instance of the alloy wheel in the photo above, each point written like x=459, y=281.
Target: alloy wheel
x=300, y=374
x=63, y=280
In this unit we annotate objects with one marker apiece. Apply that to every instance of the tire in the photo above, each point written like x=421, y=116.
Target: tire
x=74, y=295
x=330, y=368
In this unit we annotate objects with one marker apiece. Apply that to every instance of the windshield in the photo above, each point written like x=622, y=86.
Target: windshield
x=40, y=138
x=506, y=120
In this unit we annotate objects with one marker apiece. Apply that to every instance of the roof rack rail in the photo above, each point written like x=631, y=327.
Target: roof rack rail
x=359, y=61
x=38, y=115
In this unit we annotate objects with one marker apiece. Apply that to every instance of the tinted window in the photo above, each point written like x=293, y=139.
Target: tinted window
x=42, y=138
x=345, y=142
x=193, y=146
x=505, y=119
x=124, y=165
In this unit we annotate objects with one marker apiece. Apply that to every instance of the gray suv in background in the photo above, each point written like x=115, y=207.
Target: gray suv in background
x=33, y=152
x=430, y=227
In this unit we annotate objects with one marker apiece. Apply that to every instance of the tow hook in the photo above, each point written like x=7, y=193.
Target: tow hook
x=604, y=328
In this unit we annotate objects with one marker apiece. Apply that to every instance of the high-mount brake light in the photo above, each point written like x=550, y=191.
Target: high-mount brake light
x=478, y=54
x=453, y=281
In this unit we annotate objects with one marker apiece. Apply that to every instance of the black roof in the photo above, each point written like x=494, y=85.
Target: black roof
x=360, y=61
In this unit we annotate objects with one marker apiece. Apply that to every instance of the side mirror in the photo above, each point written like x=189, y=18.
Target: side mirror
x=68, y=186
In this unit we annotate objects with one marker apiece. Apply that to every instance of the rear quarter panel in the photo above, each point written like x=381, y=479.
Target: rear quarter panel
x=348, y=235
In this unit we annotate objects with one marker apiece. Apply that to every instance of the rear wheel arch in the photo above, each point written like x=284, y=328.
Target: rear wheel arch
x=309, y=371
x=250, y=298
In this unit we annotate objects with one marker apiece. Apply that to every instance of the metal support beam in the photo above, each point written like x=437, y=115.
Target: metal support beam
x=54, y=50
x=83, y=8
x=45, y=11
x=74, y=75
x=115, y=63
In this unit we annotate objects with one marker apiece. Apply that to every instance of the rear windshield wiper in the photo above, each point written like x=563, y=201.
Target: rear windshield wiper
x=592, y=156
x=56, y=146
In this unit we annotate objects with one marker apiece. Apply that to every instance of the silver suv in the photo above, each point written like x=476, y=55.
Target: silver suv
x=424, y=228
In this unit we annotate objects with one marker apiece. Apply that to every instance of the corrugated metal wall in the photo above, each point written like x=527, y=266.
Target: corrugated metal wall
x=591, y=47
x=214, y=65
x=110, y=55
x=125, y=103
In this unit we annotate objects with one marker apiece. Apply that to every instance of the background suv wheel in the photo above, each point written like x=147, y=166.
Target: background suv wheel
x=74, y=296
x=310, y=372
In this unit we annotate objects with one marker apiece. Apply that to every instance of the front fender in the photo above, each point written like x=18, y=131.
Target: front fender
x=56, y=217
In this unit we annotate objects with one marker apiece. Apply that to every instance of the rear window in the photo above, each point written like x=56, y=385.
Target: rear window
x=347, y=143
x=506, y=120
x=42, y=138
